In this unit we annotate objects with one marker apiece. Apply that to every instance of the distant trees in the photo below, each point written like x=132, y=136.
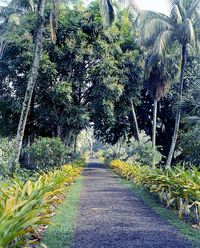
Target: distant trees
x=92, y=69
x=83, y=77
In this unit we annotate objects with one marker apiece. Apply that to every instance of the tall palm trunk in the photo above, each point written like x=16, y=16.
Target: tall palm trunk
x=136, y=127
x=135, y=121
x=178, y=113
x=30, y=86
x=155, y=105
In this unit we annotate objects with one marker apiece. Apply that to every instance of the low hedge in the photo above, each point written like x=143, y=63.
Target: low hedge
x=178, y=188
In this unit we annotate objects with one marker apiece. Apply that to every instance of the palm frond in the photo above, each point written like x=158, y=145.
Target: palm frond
x=176, y=15
x=146, y=15
x=183, y=3
x=193, y=119
x=173, y=2
x=15, y=8
x=27, y=5
x=156, y=80
x=180, y=6
x=191, y=99
x=152, y=29
x=130, y=4
x=163, y=42
x=107, y=12
x=152, y=60
x=196, y=26
x=188, y=32
x=5, y=12
x=194, y=9
x=14, y=18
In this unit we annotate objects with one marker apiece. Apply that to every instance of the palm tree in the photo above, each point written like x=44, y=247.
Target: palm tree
x=157, y=85
x=32, y=77
x=30, y=87
x=161, y=32
x=14, y=9
x=158, y=74
x=11, y=12
x=108, y=12
x=135, y=121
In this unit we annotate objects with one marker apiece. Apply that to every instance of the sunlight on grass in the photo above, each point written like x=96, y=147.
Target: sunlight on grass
x=61, y=233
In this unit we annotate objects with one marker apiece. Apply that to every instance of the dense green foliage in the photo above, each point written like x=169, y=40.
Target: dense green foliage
x=82, y=78
x=46, y=153
x=91, y=74
x=107, y=86
x=6, y=146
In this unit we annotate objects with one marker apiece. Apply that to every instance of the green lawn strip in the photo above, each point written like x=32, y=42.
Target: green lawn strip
x=182, y=227
x=61, y=233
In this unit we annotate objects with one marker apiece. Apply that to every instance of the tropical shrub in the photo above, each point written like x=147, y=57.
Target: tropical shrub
x=178, y=188
x=132, y=151
x=24, y=206
x=79, y=162
x=6, y=146
x=144, y=153
x=46, y=152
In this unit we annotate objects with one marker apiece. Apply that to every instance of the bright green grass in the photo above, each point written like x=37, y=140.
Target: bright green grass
x=183, y=228
x=61, y=234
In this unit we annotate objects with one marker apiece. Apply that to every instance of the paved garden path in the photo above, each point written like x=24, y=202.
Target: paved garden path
x=111, y=216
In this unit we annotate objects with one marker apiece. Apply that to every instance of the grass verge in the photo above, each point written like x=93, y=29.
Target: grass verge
x=61, y=233
x=181, y=226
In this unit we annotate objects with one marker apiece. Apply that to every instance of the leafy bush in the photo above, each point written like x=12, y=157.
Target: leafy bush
x=24, y=206
x=46, y=152
x=6, y=146
x=132, y=151
x=177, y=187
x=79, y=162
x=144, y=153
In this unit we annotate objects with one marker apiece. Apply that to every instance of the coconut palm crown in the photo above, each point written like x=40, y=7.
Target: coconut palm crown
x=15, y=8
x=160, y=32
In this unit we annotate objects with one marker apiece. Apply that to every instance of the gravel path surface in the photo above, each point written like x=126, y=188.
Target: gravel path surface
x=111, y=216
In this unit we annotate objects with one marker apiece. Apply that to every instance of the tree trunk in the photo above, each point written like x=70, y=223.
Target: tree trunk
x=135, y=121
x=28, y=156
x=59, y=131
x=75, y=145
x=155, y=105
x=30, y=86
x=178, y=113
x=68, y=138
